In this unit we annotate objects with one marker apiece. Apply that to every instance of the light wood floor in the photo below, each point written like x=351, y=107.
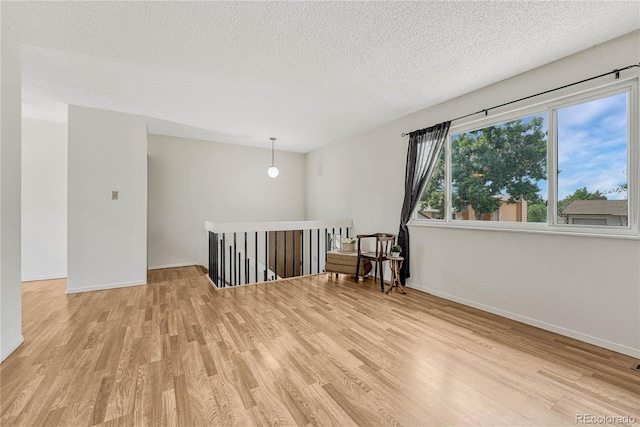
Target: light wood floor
x=306, y=351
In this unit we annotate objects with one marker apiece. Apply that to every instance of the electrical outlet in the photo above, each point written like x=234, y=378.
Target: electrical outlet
x=114, y=195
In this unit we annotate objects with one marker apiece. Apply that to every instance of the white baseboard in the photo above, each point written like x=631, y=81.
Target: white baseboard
x=629, y=351
x=181, y=264
x=38, y=277
x=104, y=287
x=11, y=348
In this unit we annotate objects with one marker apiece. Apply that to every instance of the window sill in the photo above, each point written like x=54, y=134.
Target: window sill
x=624, y=234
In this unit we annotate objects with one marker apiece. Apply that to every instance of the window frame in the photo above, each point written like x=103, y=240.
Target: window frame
x=549, y=107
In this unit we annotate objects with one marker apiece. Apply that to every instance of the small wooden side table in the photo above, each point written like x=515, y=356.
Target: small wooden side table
x=395, y=263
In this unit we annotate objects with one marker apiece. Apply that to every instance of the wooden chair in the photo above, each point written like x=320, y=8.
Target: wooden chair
x=380, y=254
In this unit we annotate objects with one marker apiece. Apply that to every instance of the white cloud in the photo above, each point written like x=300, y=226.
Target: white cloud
x=592, y=146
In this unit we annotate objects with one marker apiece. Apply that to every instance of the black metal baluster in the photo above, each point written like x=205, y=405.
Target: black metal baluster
x=235, y=265
x=310, y=251
x=246, y=260
x=255, y=258
x=318, y=257
x=266, y=255
x=302, y=252
x=276, y=257
x=223, y=261
x=239, y=276
x=286, y=272
x=210, y=240
x=221, y=266
x=213, y=258
x=231, y=262
x=218, y=259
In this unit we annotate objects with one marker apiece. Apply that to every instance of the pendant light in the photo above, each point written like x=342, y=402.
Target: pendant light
x=273, y=170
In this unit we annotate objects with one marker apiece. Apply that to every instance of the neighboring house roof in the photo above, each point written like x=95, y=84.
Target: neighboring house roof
x=597, y=207
x=426, y=211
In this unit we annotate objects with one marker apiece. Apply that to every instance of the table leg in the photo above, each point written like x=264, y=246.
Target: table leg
x=395, y=279
x=392, y=266
x=401, y=288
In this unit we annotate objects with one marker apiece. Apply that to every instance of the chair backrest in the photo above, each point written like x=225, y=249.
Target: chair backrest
x=383, y=243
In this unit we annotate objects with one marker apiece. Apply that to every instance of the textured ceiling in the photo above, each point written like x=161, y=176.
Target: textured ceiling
x=308, y=73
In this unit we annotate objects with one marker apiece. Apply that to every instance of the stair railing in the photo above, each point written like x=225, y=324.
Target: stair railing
x=252, y=252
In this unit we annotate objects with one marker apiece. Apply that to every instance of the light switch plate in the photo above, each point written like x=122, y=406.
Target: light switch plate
x=114, y=195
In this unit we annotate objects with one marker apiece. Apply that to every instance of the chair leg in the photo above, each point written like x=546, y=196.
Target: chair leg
x=381, y=277
x=358, y=270
x=375, y=274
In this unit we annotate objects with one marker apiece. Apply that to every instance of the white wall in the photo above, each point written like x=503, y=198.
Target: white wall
x=10, y=116
x=44, y=200
x=192, y=181
x=107, y=239
x=584, y=287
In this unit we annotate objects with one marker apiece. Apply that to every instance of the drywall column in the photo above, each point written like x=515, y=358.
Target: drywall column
x=106, y=239
x=10, y=143
x=44, y=200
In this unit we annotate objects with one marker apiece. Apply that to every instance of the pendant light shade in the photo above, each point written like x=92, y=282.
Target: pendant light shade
x=273, y=170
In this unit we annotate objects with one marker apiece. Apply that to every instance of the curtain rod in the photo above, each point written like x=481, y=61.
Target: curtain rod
x=486, y=110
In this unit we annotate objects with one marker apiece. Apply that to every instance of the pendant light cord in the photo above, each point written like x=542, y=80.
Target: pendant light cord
x=273, y=140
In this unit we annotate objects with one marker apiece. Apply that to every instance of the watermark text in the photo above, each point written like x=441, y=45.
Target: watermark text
x=605, y=419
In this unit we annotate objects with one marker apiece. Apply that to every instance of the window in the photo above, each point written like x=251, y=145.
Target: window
x=592, y=162
x=431, y=204
x=564, y=164
x=500, y=170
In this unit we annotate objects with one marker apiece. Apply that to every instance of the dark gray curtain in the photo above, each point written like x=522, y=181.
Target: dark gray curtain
x=424, y=150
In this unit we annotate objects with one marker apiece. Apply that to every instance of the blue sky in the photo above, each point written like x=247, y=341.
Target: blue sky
x=592, y=146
